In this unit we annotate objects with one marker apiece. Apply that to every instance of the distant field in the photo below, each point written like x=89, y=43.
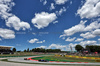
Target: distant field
x=62, y=59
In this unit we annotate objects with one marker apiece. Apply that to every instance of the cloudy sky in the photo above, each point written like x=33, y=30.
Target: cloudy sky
x=50, y=24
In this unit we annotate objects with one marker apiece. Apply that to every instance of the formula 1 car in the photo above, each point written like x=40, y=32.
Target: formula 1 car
x=26, y=59
x=41, y=60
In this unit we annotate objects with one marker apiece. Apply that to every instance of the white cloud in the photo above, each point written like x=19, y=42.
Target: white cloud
x=68, y=47
x=17, y=24
x=5, y=7
x=52, y=6
x=84, y=43
x=42, y=47
x=41, y=41
x=59, y=2
x=70, y=39
x=11, y=20
x=96, y=32
x=63, y=38
x=55, y=22
x=61, y=11
x=90, y=9
x=43, y=19
x=77, y=28
x=41, y=0
x=92, y=26
x=35, y=40
x=71, y=2
x=34, y=33
x=79, y=39
x=87, y=35
x=45, y=2
x=99, y=39
x=58, y=46
x=7, y=34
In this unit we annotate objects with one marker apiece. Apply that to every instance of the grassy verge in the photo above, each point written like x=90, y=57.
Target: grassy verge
x=63, y=59
x=4, y=60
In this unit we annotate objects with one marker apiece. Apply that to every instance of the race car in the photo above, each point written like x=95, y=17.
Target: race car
x=41, y=60
x=26, y=59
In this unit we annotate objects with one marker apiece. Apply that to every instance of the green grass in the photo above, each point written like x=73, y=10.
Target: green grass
x=4, y=60
x=62, y=59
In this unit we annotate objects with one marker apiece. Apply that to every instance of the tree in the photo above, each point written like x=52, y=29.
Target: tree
x=28, y=50
x=25, y=50
x=93, y=48
x=78, y=47
x=45, y=50
x=14, y=49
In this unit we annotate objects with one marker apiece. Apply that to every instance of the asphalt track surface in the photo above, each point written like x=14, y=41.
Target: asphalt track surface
x=21, y=62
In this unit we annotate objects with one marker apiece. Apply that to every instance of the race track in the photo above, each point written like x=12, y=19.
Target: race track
x=21, y=59
x=21, y=64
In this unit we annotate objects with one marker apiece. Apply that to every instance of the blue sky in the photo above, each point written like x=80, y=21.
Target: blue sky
x=50, y=24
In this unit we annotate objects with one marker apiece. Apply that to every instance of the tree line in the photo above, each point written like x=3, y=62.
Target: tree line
x=42, y=50
x=91, y=48
x=38, y=50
